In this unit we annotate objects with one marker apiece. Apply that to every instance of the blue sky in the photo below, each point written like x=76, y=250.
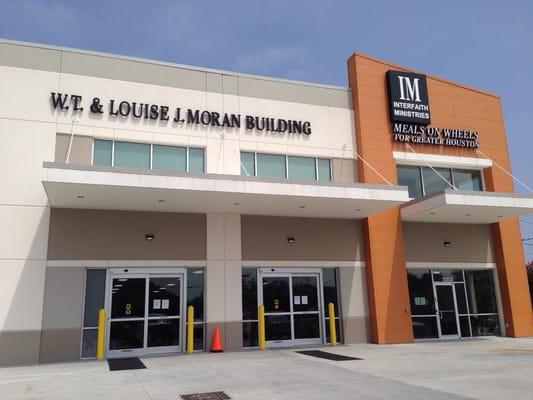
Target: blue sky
x=486, y=44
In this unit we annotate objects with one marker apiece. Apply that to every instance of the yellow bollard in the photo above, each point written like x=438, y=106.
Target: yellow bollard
x=100, y=337
x=261, y=326
x=332, y=328
x=190, y=329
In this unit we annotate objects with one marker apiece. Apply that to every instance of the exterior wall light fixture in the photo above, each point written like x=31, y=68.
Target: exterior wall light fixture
x=291, y=240
x=447, y=243
x=149, y=236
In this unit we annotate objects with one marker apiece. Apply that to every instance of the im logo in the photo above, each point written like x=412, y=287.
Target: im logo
x=408, y=98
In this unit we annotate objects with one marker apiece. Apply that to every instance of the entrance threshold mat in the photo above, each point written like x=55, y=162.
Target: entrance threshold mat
x=206, y=396
x=327, y=356
x=121, y=364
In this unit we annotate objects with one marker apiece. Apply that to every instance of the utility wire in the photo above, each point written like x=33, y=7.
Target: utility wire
x=430, y=166
x=507, y=172
x=372, y=168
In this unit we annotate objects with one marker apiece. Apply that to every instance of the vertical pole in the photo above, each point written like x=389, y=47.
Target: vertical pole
x=261, y=326
x=190, y=329
x=100, y=337
x=332, y=328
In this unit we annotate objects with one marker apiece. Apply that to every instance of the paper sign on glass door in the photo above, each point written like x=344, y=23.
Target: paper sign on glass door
x=165, y=304
x=157, y=304
x=297, y=300
x=305, y=300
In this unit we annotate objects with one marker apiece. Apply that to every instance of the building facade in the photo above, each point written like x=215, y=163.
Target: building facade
x=144, y=187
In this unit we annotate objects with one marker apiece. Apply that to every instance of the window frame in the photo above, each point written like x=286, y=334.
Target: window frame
x=82, y=318
x=315, y=158
x=187, y=150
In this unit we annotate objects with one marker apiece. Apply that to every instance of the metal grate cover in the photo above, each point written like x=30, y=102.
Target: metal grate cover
x=327, y=356
x=206, y=396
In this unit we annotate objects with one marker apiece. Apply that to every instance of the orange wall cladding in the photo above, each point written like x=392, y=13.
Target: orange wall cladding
x=451, y=106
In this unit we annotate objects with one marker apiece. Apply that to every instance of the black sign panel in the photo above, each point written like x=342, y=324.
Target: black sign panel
x=408, y=98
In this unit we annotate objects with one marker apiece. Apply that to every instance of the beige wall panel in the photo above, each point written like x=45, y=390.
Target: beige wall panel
x=344, y=170
x=354, y=297
x=25, y=94
x=119, y=235
x=21, y=294
x=63, y=298
x=265, y=238
x=24, y=145
x=356, y=330
x=80, y=150
x=31, y=56
x=215, y=304
x=62, y=314
x=25, y=232
x=469, y=243
x=60, y=345
x=223, y=274
x=19, y=347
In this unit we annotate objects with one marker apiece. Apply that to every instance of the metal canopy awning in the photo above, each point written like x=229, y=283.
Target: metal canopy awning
x=467, y=207
x=91, y=187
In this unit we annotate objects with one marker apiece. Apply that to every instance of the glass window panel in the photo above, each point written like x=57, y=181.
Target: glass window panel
x=88, y=346
x=448, y=275
x=484, y=325
x=306, y=326
x=421, y=292
x=132, y=155
x=247, y=164
x=461, y=298
x=410, y=176
x=467, y=179
x=329, y=278
x=278, y=327
x=480, y=290
x=198, y=337
x=169, y=158
x=164, y=297
x=249, y=293
x=433, y=182
x=94, y=296
x=465, y=326
x=324, y=169
x=302, y=168
x=425, y=327
x=127, y=298
x=271, y=165
x=196, y=160
x=163, y=332
x=337, y=330
x=102, y=152
x=126, y=335
x=249, y=334
x=305, y=293
x=276, y=297
x=195, y=292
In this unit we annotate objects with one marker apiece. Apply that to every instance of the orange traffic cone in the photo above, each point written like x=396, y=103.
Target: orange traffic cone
x=216, y=345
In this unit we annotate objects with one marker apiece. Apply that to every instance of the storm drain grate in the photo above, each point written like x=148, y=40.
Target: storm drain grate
x=327, y=356
x=206, y=396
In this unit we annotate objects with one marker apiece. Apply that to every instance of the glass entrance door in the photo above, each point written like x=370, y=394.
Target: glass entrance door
x=144, y=313
x=292, y=308
x=447, y=310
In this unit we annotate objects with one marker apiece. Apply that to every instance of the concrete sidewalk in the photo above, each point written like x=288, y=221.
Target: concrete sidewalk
x=493, y=368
